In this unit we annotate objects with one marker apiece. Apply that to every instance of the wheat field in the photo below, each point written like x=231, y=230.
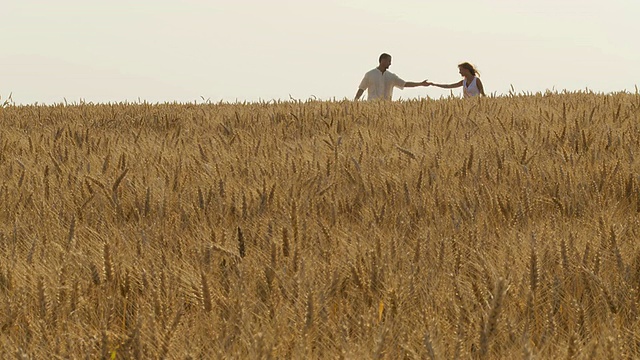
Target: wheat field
x=490, y=228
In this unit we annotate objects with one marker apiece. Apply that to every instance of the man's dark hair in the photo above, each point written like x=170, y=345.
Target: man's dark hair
x=384, y=56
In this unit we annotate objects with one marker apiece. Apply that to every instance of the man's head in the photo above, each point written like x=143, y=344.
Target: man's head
x=385, y=61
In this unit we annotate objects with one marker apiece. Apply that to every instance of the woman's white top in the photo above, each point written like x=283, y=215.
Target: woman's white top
x=472, y=89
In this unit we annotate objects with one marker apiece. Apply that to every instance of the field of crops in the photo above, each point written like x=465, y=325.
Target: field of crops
x=489, y=228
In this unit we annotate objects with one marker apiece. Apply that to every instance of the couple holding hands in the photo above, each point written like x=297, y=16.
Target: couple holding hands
x=379, y=82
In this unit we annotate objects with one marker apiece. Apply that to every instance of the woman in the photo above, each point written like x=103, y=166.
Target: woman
x=471, y=84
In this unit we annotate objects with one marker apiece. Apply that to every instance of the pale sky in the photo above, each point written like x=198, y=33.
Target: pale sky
x=252, y=50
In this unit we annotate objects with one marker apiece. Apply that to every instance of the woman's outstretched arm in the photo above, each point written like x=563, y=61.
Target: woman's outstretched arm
x=447, y=86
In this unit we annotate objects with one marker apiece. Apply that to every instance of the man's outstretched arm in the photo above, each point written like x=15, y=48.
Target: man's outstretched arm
x=416, y=84
x=358, y=94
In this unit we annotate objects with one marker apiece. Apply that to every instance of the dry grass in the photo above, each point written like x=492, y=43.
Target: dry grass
x=489, y=228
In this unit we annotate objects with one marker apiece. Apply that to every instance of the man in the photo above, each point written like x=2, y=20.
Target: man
x=379, y=82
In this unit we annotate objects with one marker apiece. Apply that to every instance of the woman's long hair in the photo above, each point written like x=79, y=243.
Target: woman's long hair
x=471, y=68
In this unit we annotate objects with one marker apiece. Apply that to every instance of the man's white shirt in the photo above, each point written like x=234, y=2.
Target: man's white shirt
x=379, y=85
